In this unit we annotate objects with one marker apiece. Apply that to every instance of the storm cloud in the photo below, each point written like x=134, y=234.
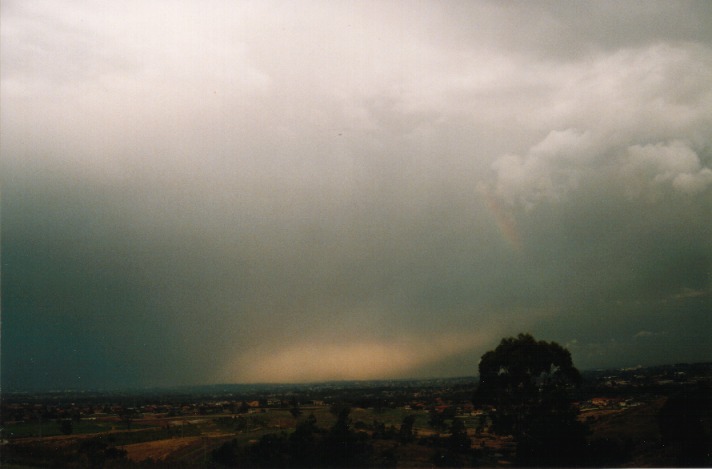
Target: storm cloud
x=290, y=191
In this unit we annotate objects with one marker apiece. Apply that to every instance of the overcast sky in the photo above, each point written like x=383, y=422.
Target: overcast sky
x=205, y=191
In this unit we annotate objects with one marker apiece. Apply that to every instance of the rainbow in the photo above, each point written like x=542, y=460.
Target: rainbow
x=505, y=220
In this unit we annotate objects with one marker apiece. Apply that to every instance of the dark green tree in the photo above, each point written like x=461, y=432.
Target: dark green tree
x=457, y=450
x=686, y=426
x=345, y=447
x=66, y=427
x=303, y=443
x=227, y=454
x=127, y=416
x=243, y=408
x=296, y=411
x=96, y=453
x=406, y=433
x=271, y=451
x=528, y=383
x=458, y=442
x=437, y=421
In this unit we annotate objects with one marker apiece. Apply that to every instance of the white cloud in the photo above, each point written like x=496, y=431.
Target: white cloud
x=549, y=170
x=636, y=119
x=664, y=164
x=692, y=183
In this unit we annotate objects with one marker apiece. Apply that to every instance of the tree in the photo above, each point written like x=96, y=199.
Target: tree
x=244, y=408
x=528, y=383
x=457, y=451
x=458, y=442
x=66, y=427
x=406, y=434
x=343, y=446
x=127, y=415
x=303, y=443
x=227, y=454
x=437, y=420
x=686, y=426
x=271, y=450
x=95, y=453
x=295, y=411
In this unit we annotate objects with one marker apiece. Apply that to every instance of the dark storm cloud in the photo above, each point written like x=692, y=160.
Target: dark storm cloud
x=281, y=192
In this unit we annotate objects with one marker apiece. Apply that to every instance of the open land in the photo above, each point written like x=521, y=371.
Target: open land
x=235, y=426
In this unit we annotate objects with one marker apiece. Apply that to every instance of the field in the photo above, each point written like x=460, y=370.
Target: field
x=191, y=439
x=388, y=424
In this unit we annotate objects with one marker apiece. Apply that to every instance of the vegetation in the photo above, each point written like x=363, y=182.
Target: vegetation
x=686, y=426
x=528, y=382
x=523, y=413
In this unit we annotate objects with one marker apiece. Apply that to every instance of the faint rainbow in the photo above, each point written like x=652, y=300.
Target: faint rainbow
x=506, y=222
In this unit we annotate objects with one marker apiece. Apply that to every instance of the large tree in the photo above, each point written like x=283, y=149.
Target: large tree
x=527, y=383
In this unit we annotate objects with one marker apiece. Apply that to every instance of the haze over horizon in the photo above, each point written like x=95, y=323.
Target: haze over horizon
x=235, y=192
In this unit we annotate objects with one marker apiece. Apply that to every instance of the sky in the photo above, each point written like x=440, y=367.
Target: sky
x=200, y=192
